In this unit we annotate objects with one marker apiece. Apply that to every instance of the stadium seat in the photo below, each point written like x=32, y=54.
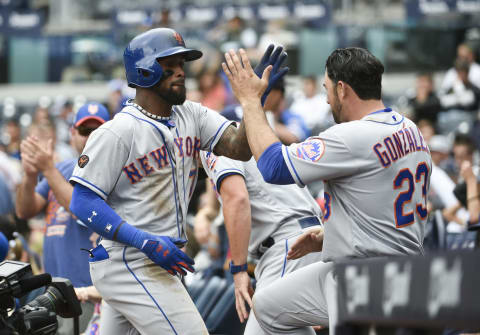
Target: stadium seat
x=223, y=318
x=465, y=240
x=435, y=232
x=195, y=288
x=209, y=295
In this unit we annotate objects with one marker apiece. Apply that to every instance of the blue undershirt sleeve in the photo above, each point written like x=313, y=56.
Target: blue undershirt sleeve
x=92, y=210
x=272, y=166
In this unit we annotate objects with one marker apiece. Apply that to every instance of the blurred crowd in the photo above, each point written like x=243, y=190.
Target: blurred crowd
x=447, y=115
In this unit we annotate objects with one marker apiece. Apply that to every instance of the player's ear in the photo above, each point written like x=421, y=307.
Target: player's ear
x=341, y=89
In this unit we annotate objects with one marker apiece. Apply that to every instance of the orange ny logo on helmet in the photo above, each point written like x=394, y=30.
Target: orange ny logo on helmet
x=178, y=37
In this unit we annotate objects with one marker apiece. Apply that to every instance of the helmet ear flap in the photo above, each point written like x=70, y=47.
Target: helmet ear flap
x=149, y=75
x=144, y=73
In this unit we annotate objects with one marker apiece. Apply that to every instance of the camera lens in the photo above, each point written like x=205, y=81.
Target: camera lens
x=52, y=300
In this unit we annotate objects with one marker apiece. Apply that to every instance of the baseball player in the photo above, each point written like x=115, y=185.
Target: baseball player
x=263, y=218
x=376, y=168
x=133, y=183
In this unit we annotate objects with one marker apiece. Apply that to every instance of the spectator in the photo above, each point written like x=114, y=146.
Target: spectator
x=463, y=94
x=13, y=137
x=441, y=195
x=233, y=34
x=427, y=129
x=212, y=89
x=65, y=235
x=425, y=103
x=313, y=107
x=472, y=201
x=465, y=53
x=119, y=92
x=441, y=185
x=289, y=127
x=44, y=131
x=64, y=121
x=463, y=151
x=41, y=114
x=10, y=177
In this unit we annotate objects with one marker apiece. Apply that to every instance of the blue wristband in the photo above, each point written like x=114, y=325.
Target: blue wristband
x=237, y=268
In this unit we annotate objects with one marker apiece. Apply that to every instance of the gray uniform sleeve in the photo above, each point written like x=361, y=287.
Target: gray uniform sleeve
x=105, y=155
x=220, y=167
x=211, y=125
x=319, y=158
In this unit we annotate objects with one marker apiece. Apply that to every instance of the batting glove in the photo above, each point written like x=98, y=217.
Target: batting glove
x=163, y=250
x=275, y=58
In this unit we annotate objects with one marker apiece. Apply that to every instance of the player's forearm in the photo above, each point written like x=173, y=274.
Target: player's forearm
x=61, y=188
x=260, y=135
x=25, y=198
x=236, y=212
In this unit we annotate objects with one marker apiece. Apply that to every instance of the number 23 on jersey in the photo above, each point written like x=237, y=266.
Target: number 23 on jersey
x=415, y=182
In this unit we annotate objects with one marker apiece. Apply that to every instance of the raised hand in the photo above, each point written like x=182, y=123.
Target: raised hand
x=246, y=85
x=276, y=59
x=27, y=152
x=164, y=251
x=41, y=155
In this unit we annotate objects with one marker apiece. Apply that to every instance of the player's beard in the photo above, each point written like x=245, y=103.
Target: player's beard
x=336, y=107
x=174, y=97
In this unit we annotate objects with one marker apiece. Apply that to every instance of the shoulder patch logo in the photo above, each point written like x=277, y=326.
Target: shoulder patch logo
x=211, y=160
x=311, y=150
x=83, y=160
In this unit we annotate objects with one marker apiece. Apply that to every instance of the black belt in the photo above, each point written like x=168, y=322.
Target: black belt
x=306, y=222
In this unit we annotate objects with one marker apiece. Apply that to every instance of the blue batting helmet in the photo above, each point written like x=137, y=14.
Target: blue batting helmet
x=140, y=56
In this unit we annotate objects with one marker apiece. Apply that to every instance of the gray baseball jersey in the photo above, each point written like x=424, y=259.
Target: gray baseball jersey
x=376, y=172
x=146, y=171
x=275, y=209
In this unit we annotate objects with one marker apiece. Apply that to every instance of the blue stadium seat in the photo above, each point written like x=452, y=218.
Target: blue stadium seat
x=465, y=240
x=223, y=318
x=210, y=295
x=195, y=288
x=435, y=232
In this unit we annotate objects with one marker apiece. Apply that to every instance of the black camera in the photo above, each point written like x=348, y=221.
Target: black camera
x=39, y=315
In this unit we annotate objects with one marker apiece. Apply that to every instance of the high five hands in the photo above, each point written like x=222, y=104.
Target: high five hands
x=250, y=85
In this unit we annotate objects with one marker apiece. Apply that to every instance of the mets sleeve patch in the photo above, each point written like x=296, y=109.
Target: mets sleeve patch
x=83, y=160
x=211, y=160
x=311, y=150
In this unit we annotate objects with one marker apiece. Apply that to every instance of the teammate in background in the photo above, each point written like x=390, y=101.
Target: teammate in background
x=64, y=235
x=134, y=181
x=376, y=168
x=262, y=220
